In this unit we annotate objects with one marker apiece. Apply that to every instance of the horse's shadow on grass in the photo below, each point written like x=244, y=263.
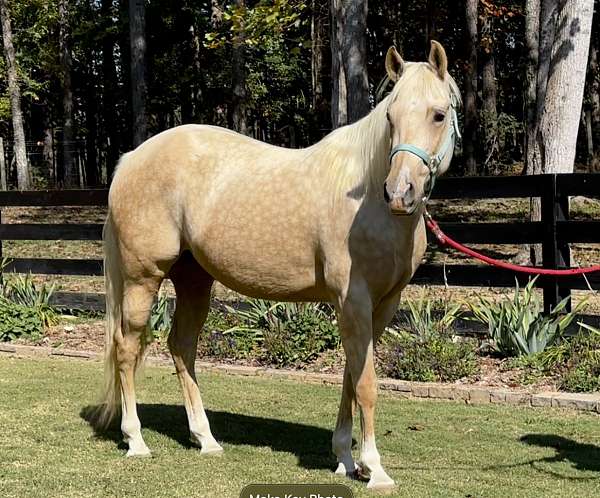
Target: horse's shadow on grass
x=310, y=444
x=581, y=456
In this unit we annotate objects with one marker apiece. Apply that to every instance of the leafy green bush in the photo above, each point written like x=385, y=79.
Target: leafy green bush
x=287, y=333
x=429, y=318
x=432, y=358
x=580, y=370
x=518, y=327
x=17, y=321
x=23, y=291
x=222, y=340
x=25, y=308
x=574, y=362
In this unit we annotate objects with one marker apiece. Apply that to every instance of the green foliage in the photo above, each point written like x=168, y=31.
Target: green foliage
x=427, y=317
x=580, y=370
x=425, y=351
x=428, y=359
x=517, y=326
x=220, y=339
x=23, y=291
x=259, y=24
x=574, y=362
x=25, y=308
x=19, y=321
x=160, y=317
x=287, y=333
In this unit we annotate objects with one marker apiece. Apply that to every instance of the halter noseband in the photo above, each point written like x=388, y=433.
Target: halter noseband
x=432, y=162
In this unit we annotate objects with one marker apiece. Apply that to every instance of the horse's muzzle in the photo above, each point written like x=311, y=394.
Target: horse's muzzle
x=402, y=202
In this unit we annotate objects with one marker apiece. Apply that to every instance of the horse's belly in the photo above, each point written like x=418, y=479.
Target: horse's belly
x=262, y=262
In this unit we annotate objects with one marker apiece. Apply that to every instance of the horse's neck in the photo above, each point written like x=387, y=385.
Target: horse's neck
x=362, y=149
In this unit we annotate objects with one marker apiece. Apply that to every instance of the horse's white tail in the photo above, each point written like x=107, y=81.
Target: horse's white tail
x=113, y=281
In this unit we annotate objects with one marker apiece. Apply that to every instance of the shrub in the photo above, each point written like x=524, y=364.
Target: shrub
x=574, y=362
x=580, y=371
x=517, y=326
x=25, y=308
x=428, y=318
x=23, y=291
x=221, y=339
x=433, y=358
x=287, y=333
x=17, y=321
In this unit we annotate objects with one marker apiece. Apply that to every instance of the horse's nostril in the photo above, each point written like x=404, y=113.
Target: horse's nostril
x=386, y=195
x=409, y=188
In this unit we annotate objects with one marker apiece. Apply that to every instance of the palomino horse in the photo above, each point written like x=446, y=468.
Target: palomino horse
x=341, y=221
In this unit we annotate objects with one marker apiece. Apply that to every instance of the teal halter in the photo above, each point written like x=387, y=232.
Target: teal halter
x=432, y=162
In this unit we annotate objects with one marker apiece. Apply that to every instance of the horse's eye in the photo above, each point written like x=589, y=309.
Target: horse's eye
x=439, y=117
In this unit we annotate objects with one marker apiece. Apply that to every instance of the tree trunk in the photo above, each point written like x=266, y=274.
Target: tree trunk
x=532, y=38
x=239, y=117
x=137, y=34
x=198, y=85
x=470, y=135
x=70, y=179
x=354, y=55
x=350, y=94
x=110, y=91
x=15, y=98
x=339, y=111
x=594, y=87
x=91, y=112
x=317, y=34
x=564, y=93
x=492, y=147
x=48, y=149
x=586, y=118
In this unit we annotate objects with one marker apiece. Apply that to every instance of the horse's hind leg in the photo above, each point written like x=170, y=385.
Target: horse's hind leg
x=192, y=285
x=138, y=297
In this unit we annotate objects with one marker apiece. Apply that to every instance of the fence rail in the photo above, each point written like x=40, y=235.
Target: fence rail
x=555, y=231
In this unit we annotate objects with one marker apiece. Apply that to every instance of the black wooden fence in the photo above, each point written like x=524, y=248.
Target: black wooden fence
x=554, y=232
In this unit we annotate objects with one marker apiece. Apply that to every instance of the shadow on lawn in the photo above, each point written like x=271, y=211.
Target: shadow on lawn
x=311, y=445
x=584, y=457
x=581, y=456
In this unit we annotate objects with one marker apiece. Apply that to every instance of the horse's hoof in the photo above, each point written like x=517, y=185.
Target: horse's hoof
x=139, y=453
x=212, y=450
x=381, y=483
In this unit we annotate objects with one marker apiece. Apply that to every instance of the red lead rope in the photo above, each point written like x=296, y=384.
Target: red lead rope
x=443, y=239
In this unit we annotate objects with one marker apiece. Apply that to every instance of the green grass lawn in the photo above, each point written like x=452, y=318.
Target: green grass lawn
x=276, y=431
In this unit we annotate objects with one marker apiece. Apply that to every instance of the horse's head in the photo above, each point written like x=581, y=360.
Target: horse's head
x=423, y=127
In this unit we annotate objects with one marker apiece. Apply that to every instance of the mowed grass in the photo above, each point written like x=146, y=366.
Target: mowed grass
x=276, y=431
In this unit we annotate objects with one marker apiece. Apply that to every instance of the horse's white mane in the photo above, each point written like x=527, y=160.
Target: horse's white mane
x=356, y=156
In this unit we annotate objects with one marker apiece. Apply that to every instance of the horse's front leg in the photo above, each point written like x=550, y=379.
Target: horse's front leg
x=356, y=328
x=341, y=442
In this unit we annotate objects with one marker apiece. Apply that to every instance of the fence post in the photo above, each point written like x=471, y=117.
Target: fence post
x=555, y=254
x=3, y=185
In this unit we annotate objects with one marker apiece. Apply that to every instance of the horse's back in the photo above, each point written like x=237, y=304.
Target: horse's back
x=248, y=211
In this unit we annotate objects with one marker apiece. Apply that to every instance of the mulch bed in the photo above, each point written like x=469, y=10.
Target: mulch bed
x=89, y=337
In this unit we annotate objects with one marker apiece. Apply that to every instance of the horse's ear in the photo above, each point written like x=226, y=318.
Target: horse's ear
x=394, y=64
x=438, y=59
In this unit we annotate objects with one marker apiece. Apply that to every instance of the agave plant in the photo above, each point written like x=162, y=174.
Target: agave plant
x=23, y=291
x=286, y=333
x=160, y=317
x=427, y=318
x=517, y=326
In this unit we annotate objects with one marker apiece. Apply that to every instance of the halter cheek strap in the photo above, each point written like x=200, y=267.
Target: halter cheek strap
x=432, y=162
